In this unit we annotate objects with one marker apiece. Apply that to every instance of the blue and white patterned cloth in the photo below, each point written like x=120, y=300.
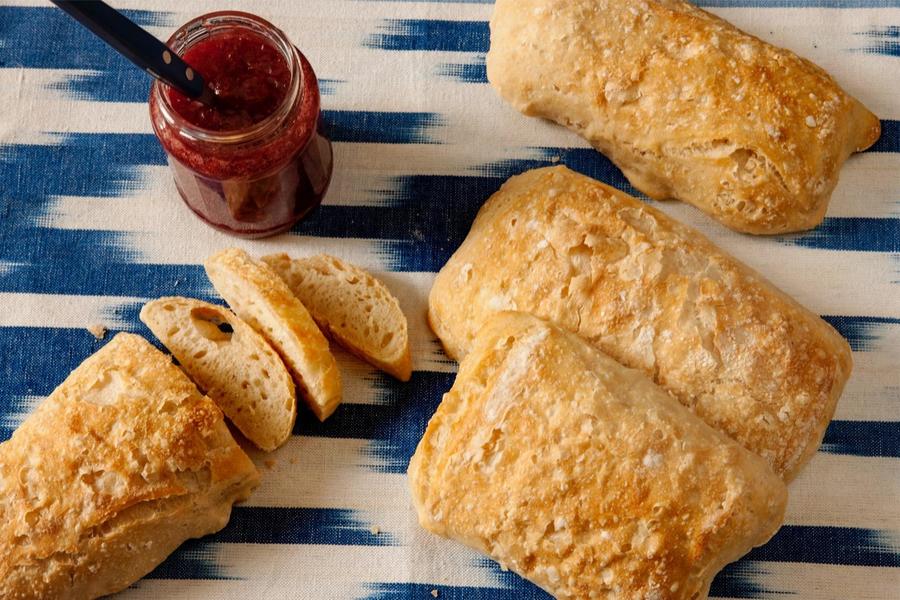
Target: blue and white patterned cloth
x=91, y=226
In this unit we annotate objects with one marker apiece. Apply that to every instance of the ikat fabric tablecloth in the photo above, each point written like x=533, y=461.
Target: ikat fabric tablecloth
x=91, y=226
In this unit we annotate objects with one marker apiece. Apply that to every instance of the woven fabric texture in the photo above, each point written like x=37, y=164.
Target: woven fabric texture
x=91, y=226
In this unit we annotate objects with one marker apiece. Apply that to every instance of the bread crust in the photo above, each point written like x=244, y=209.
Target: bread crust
x=340, y=295
x=582, y=475
x=123, y=462
x=687, y=105
x=262, y=299
x=656, y=295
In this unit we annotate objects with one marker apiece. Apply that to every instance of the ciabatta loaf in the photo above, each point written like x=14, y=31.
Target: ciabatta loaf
x=123, y=462
x=356, y=309
x=584, y=476
x=233, y=365
x=263, y=300
x=654, y=295
x=687, y=105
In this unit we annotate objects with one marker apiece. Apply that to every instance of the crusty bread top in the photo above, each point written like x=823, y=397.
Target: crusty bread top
x=584, y=476
x=687, y=105
x=653, y=294
x=237, y=368
x=263, y=300
x=126, y=428
x=351, y=305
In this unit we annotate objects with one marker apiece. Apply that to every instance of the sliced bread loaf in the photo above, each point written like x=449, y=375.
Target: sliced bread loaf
x=121, y=464
x=262, y=299
x=356, y=309
x=231, y=363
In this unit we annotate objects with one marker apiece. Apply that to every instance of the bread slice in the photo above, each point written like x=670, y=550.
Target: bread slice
x=262, y=299
x=357, y=310
x=123, y=462
x=584, y=476
x=234, y=366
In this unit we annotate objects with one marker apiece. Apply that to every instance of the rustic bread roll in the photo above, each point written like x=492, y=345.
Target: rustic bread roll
x=687, y=105
x=262, y=299
x=654, y=295
x=123, y=462
x=354, y=308
x=237, y=368
x=584, y=476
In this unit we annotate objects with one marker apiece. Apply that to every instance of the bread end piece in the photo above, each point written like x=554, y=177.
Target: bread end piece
x=237, y=369
x=353, y=307
x=123, y=462
x=582, y=475
x=262, y=299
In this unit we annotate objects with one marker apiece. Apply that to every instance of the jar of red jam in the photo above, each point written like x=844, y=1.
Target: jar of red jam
x=255, y=162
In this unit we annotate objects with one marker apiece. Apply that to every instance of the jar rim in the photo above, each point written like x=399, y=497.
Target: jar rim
x=207, y=25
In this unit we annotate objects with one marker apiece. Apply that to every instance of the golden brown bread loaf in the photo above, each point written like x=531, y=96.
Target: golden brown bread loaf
x=123, y=462
x=582, y=475
x=687, y=105
x=655, y=295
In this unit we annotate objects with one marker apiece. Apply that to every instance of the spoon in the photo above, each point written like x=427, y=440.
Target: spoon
x=139, y=47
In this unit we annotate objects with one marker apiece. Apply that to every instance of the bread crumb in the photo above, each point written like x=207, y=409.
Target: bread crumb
x=292, y=460
x=652, y=459
x=552, y=574
x=434, y=593
x=270, y=463
x=374, y=531
x=810, y=121
x=554, y=159
x=98, y=331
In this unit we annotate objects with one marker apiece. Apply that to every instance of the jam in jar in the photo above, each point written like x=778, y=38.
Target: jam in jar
x=255, y=162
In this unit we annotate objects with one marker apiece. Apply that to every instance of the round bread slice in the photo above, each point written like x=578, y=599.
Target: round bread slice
x=231, y=363
x=354, y=308
x=262, y=299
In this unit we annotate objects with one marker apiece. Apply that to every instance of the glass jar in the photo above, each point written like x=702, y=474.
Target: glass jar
x=254, y=176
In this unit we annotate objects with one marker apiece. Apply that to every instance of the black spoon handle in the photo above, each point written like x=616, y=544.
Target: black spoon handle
x=137, y=45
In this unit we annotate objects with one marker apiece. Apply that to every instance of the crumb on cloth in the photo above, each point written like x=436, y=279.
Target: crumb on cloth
x=97, y=330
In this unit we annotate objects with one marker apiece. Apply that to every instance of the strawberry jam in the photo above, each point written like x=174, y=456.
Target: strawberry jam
x=247, y=75
x=254, y=162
